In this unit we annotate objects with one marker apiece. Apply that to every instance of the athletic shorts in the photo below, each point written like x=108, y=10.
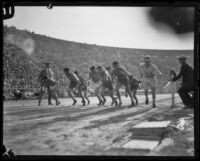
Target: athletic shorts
x=82, y=87
x=72, y=85
x=150, y=83
x=108, y=85
x=134, y=85
x=124, y=81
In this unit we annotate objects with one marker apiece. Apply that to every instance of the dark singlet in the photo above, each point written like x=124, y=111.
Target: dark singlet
x=71, y=77
x=134, y=84
x=73, y=81
x=82, y=80
x=95, y=77
x=121, y=77
x=83, y=84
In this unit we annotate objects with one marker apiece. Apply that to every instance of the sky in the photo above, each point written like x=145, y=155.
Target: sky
x=127, y=27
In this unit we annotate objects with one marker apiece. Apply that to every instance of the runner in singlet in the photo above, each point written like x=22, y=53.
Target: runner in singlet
x=134, y=85
x=122, y=77
x=95, y=83
x=83, y=86
x=74, y=83
x=148, y=73
x=106, y=84
x=114, y=80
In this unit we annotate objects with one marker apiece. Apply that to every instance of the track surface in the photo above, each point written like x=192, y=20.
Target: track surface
x=75, y=130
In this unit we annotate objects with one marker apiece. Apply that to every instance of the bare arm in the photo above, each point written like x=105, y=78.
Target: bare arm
x=157, y=71
x=126, y=72
x=75, y=78
x=89, y=77
x=140, y=73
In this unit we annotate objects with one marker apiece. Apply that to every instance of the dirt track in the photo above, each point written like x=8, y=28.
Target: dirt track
x=75, y=130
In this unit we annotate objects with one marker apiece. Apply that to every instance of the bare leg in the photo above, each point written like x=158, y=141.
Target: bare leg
x=153, y=96
x=70, y=93
x=102, y=95
x=86, y=96
x=114, y=100
x=134, y=96
x=97, y=92
x=80, y=91
x=54, y=94
x=118, y=93
x=126, y=93
x=146, y=95
x=130, y=94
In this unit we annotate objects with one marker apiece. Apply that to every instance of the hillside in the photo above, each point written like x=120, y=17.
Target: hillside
x=28, y=51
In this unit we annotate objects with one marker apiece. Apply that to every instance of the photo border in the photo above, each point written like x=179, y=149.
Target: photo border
x=124, y=4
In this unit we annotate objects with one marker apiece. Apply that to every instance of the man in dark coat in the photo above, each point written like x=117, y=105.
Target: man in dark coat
x=46, y=79
x=186, y=73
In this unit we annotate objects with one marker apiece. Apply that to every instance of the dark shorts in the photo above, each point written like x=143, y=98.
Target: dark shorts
x=123, y=80
x=82, y=87
x=72, y=85
x=108, y=85
x=134, y=85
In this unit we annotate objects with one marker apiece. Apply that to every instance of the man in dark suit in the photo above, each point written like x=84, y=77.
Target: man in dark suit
x=186, y=73
x=46, y=79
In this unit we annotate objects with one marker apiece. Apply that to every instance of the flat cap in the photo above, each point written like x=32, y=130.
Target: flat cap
x=66, y=69
x=99, y=67
x=147, y=56
x=47, y=62
x=115, y=63
x=76, y=72
x=92, y=67
x=108, y=68
x=182, y=57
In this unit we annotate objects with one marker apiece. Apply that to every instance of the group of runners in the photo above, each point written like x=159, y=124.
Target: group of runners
x=104, y=81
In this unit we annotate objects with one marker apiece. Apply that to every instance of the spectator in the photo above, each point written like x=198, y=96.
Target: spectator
x=186, y=73
x=46, y=78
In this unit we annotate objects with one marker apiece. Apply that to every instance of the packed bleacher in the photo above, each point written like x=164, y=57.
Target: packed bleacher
x=20, y=70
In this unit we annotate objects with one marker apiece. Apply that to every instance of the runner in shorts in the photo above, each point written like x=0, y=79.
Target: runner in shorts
x=95, y=83
x=134, y=85
x=122, y=77
x=83, y=86
x=114, y=80
x=148, y=73
x=73, y=85
x=106, y=84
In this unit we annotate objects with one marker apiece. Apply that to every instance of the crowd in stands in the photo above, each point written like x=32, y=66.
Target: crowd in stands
x=21, y=71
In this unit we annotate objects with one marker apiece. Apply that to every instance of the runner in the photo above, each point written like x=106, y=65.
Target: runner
x=83, y=86
x=134, y=85
x=73, y=85
x=148, y=73
x=114, y=81
x=122, y=77
x=95, y=82
x=47, y=80
x=106, y=84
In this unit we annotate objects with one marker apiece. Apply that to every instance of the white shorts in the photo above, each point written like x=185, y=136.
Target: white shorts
x=150, y=83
